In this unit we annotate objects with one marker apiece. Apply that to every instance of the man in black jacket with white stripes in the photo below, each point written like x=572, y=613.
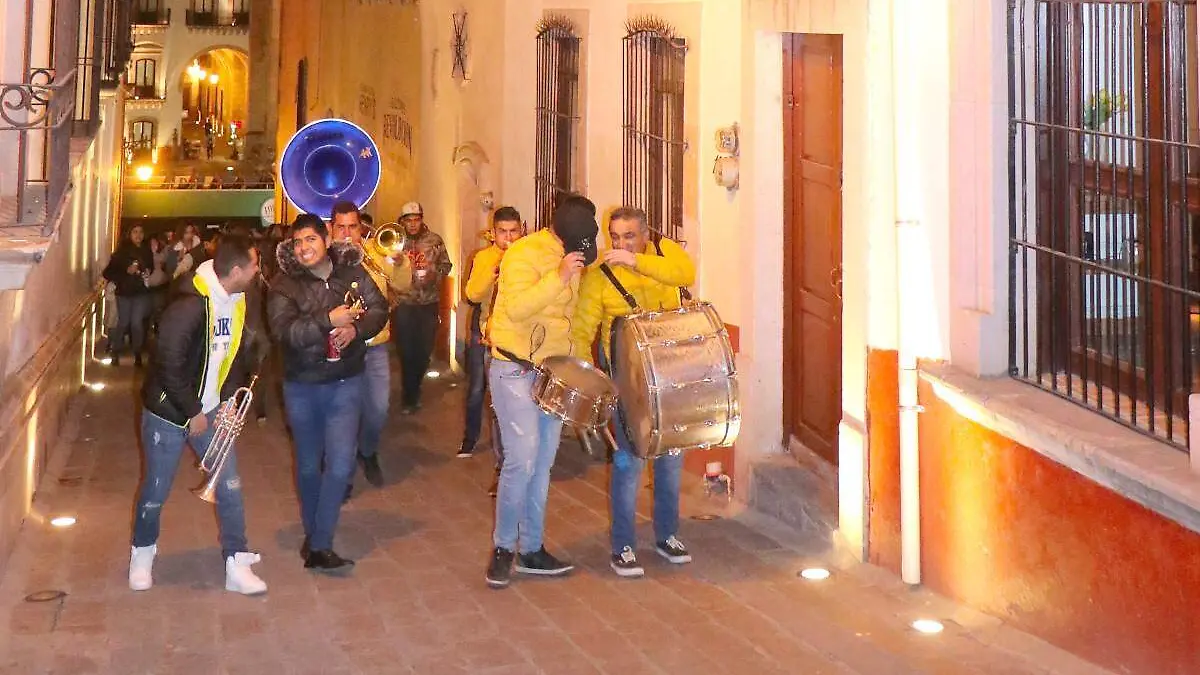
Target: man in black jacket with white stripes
x=202, y=357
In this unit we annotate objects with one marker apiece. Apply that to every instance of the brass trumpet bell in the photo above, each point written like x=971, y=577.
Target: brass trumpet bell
x=208, y=489
x=387, y=240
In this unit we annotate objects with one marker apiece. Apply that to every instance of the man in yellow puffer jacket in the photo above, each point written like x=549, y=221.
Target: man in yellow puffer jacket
x=653, y=276
x=538, y=285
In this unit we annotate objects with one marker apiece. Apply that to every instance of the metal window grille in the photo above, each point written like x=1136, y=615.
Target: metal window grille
x=215, y=13
x=653, y=124
x=557, y=117
x=1105, y=223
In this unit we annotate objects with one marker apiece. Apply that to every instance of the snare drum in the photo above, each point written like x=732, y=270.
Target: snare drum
x=676, y=379
x=574, y=391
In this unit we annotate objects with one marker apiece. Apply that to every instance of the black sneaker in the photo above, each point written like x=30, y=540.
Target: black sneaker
x=371, y=470
x=673, y=550
x=499, y=571
x=305, y=549
x=542, y=563
x=326, y=561
x=137, y=361
x=467, y=451
x=625, y=564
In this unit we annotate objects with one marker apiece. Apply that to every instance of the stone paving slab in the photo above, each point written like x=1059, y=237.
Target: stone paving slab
x=416, y=602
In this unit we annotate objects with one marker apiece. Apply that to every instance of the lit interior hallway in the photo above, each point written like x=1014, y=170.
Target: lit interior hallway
x=417, y=601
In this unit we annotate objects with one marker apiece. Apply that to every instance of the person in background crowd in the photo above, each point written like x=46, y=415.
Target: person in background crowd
x=129, y=269
x=480, y=292
x=415, y=320
x=158, y=281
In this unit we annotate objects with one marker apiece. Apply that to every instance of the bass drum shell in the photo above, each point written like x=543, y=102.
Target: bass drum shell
x=676, y=379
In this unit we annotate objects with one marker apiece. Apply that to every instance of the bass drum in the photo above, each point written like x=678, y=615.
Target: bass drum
x=676, y=379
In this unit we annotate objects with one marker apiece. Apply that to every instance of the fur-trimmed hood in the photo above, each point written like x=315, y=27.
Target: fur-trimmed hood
x=341, y=253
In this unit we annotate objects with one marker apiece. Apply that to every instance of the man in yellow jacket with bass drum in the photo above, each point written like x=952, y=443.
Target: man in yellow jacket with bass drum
x=538, y=286
x=653, y=275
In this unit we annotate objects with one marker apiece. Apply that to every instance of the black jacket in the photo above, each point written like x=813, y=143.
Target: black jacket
x=176, y=375
x=117, y=270
x=298, y=307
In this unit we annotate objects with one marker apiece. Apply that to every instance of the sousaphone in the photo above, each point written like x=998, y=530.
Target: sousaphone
x=328, y=161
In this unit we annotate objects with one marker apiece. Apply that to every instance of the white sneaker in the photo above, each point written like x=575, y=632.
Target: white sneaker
x=239, y=578
x=141, y=562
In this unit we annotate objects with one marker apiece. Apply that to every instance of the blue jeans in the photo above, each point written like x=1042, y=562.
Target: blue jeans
x=377, y=383
x=623, y=487
x=133, y=311
x=324, y=418
x=162, y=443
x=477, y=373
x=530, y=444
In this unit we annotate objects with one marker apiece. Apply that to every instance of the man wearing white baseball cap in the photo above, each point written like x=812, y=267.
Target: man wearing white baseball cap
x=415, y=319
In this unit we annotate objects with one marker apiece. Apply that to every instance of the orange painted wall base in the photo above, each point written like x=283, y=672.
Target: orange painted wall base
x=1023, y=538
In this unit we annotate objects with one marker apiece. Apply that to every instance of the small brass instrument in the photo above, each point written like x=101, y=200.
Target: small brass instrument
x=226, y=427
x=385, y=242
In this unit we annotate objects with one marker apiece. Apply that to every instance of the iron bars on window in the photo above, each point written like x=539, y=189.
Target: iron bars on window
x=1105, y=183
x=653, y=124
x=557, y=116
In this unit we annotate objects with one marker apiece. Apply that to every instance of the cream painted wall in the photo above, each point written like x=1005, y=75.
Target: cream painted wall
x=72, y=264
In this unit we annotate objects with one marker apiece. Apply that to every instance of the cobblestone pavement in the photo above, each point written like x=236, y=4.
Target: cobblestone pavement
x=417, y=602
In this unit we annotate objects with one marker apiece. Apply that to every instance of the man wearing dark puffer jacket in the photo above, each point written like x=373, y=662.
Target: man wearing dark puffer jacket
x=322, y=309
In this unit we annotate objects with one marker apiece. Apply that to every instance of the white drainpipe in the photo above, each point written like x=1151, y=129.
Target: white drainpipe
x=906, y=116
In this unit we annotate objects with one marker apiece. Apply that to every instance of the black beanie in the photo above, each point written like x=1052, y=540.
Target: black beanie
x=575, y=224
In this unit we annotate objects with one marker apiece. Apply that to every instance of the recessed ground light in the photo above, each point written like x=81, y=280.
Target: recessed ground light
x=815, y=573
x=928, y=626
x=63, y=521
x=96, y=386
x=106, y=361
x=433, y=374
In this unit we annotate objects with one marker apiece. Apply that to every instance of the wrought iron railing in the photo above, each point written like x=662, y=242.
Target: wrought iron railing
x=39, y=111
x=209, y=14
x=557, y=116
x=654, y=142
x=1105, y=221
x=159, y=16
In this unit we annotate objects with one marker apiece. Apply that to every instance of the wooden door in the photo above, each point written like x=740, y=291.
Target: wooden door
x=812, y=276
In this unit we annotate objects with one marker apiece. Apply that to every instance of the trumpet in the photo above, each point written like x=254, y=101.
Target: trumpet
x=228, y=424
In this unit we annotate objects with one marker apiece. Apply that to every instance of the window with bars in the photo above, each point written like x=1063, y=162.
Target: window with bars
x=654, y=144
x=1105, y=226
x=557, y=114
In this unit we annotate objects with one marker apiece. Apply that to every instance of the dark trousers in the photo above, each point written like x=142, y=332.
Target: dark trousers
x=414, y=328
x=477, y=362
x=133, y=311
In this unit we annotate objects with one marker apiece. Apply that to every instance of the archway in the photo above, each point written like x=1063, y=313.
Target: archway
x=215, y=91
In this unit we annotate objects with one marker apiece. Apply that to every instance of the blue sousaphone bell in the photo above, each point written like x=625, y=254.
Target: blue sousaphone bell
x=328, y=161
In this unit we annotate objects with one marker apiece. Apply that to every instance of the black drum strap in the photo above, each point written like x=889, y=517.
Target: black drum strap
x=525, y=363
x=620, y=289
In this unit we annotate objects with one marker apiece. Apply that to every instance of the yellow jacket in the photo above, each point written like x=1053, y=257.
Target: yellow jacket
x=482, y=281
x=532, y=316
x=399, y=278
x=654, y=284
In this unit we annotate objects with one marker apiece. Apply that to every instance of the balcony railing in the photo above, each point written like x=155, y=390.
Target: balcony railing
x=145, y=91
x=212, y=18
x=152, y=17
x=39, y=110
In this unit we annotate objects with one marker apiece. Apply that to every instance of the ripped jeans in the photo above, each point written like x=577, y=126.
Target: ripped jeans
x=162, y=444
x=530, y=439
